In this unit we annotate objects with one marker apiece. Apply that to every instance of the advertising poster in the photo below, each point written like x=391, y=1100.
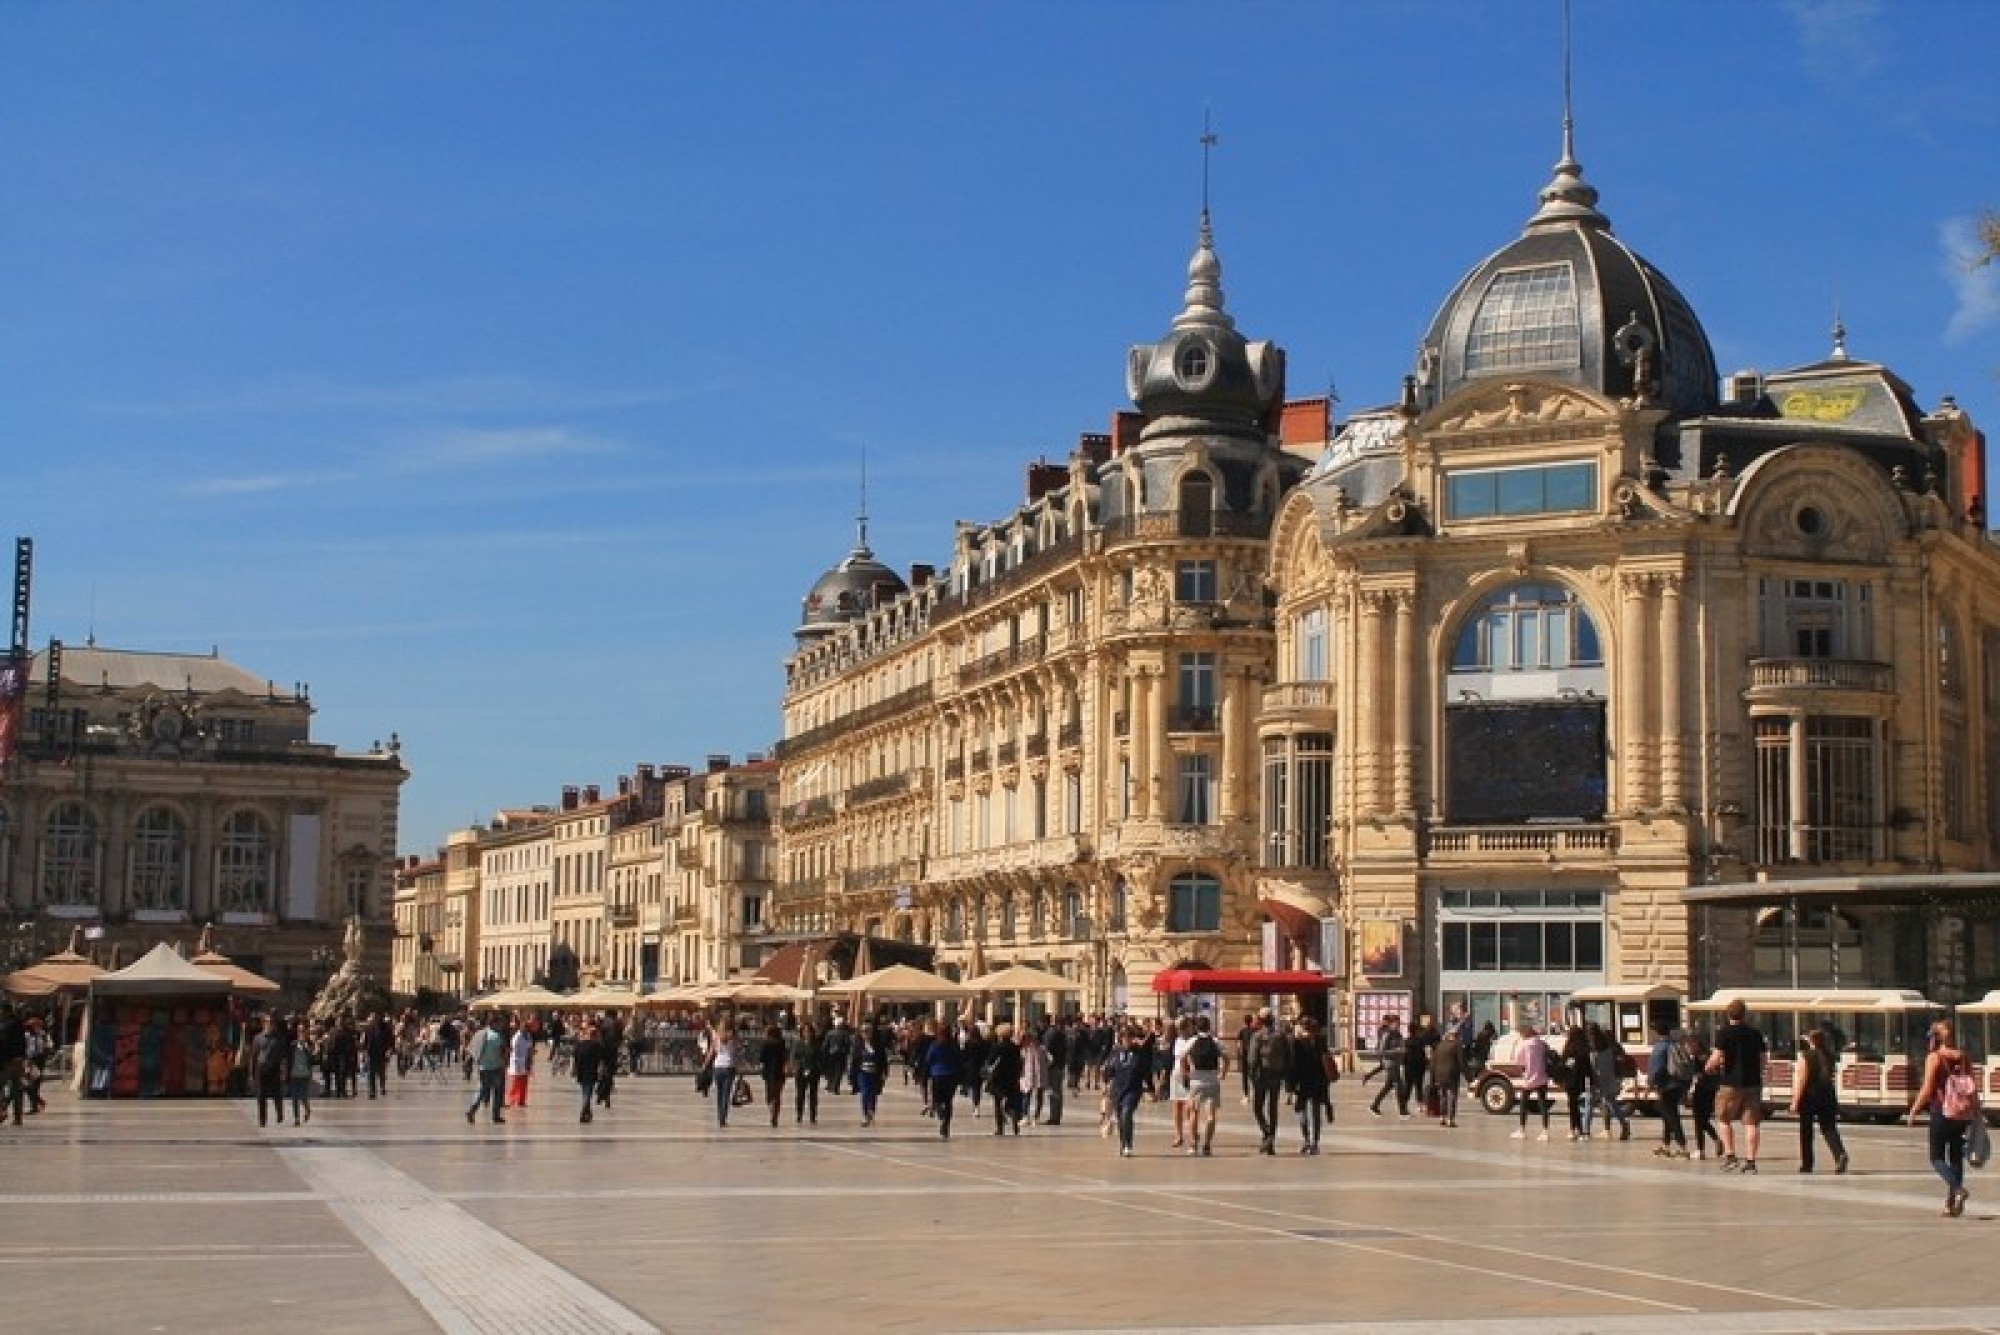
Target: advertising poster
x=1381, y=947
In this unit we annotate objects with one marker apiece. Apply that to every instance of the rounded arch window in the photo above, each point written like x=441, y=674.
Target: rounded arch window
x=159, y=860
x=1527, y=627
x=1192, y=364
x=68, y=864
x=246, y=859
x=1197, y=504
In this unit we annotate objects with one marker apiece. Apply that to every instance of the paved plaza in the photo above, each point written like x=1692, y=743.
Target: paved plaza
x=394, y=1215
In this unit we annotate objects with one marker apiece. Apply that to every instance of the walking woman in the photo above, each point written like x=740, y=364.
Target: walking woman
x=1701, y=1099
x=1447, y=1074
x=944, y=1064
x=1311, y=1090
x=1950, y=1094
x=772, y=1054
x=1126, y=1075
x=1816, y=1100
x=1605, y=1082
x=299, y=1079
x=1574, y=1076
x=1034, y=1074
x=1533, y=1054
x=721, y=1060
x=1002, y=1078
x=871, y=1063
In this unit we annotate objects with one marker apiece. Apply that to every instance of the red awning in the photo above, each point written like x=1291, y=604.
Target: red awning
x=1240, y=982
x=1298, y=924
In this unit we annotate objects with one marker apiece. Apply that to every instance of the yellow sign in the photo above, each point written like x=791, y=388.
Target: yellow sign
x=1822, y=405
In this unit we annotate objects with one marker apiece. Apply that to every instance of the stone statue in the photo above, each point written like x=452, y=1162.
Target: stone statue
x=350, y=992
x=352, y=944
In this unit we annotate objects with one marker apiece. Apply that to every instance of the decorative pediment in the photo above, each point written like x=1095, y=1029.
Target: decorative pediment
x=1515, y=406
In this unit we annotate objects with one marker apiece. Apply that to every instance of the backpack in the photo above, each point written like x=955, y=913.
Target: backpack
x=1680, y=1064
x=1205, y=1054
x=1275, y=1057
x=1961, y=1094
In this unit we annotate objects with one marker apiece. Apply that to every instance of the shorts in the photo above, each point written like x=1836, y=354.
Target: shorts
x=1746, y=1104
x=1177, y=1090
x=1205, y=1089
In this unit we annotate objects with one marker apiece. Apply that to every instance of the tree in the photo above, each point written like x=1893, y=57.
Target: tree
x=1989, y=237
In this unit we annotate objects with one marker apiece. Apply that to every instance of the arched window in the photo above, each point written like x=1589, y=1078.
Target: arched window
x=1527, y=628
x=1194, y=903
x=68, y=863
x=1197, y=506
x=245, y=865
x=159, y=878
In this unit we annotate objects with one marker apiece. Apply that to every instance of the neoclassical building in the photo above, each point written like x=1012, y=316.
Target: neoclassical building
x=1579, y=631
x=1045, y=752
x=154, y=793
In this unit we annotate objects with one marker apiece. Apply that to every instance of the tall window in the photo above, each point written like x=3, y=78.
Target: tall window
x=1815, y=618
x=1038, y=916
x=1197, y=506
x=1312, y=646
x=1527, y=628
x=159, y=860
x=1194, y=581
x=1194, y=903
x=1527, y=319
x=1298, y=801
x=1826, y=808
x=1072, y=914
x=1007, y=916
x=245, y=865
x=1120, y=898
x=1195, y=802
x=1197, y=691
x=69, y=856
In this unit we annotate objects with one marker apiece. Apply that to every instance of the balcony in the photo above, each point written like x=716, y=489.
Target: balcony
x=791, y=748
x=811, y=808
x=1030, y=568
x=1070, y=736
x=954, y=768
x=1174, y=526
x=1303, y=702
x=1519, y=845
x=1038, y=746
x=1805, y=683
x=982, y=760
x=874, y=790
x=1003, y=661
x=624, y=915
x=1030, y=855
x=1193, y=718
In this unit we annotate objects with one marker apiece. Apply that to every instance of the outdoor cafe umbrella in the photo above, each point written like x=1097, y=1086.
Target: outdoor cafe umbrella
x=602, y=998
x=1020, y=980
x=522, y=999
x=66, y=971
x=898, y=982
x=762, y=992
x=242, y=979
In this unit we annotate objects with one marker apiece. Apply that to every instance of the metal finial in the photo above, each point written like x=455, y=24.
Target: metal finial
x=1569, y=121
x=1839, y=335
x=1208, y=142
x=861, y=520
x=1568, y=198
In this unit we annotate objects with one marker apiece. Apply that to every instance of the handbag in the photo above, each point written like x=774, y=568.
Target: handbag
x=704, y=1079
x=741, y=1095
x=1331, y=1064
x=1978, y=1143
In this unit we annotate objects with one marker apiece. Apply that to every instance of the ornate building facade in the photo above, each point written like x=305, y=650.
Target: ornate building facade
x=152, y=794
x=1045, y=752
x=1578, y=626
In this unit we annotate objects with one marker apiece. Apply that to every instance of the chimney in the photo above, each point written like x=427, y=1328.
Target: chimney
x=1125, y=432
x=1305, y=426
x=1094, y=446
x=645, y=774
x=624, y=785
x=1045, y=477
x=717, y=763
x=921, y=574
x=1744, y=388
x=569, y=799
x=590, y=795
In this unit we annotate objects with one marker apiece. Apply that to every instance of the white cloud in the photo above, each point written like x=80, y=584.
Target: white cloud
x=490, y=393
x=471, y=447
x=1975, y=287
x=1838, y=39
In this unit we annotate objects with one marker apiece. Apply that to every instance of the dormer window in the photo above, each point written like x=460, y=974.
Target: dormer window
x=1192, y=364
x=1526, y=321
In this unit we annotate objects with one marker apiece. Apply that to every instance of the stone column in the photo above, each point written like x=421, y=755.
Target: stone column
x=1672, y=646
x=1409, y=690
x=1633, y=644
x=1367, y=727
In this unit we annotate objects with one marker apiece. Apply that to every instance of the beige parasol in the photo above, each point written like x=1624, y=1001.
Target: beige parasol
x=240, y=978
x=898, y=982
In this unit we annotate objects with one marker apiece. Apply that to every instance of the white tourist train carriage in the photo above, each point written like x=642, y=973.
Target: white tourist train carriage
x=1979, y=1034
x=1627, y=1011
x=1880, y=1032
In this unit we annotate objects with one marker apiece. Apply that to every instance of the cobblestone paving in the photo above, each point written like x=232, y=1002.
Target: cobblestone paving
x=393, y=1215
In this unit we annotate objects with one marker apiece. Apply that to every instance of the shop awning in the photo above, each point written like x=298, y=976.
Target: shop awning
x=1298, y=924
x=1241, y=982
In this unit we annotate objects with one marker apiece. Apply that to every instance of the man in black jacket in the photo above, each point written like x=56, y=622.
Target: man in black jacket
x=1270, y=1068
x=13, y=1061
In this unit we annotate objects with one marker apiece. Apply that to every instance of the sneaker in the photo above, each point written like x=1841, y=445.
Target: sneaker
x=1840, y=1163
x=1518, y=1135
x=1747, y=1166
x=468, y=1116
x=1574, y=1136
x=1624, y=1131
x=1730, y=1163
x=1124, y=1151
x=1376, y=1111
x=1543, y=1136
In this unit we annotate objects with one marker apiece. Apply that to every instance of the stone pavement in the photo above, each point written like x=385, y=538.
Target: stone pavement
x=394, y=1215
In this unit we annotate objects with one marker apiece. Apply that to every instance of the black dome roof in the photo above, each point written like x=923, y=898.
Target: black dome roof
x=849, y=591
x=1570, y=302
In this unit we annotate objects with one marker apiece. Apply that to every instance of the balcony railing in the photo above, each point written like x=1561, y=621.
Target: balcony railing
x=1298, y=695
x=1834, y=674
x=1003, y=660
x=872, y=790
x=1030, y=568
x=1516, y=841
x=811, y=808
x=1030, y=855
x=1193, y=718
x=1202, y=524
x=900, y=703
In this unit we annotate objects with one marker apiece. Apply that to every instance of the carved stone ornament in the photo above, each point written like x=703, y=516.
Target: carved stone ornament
x=1520, y=405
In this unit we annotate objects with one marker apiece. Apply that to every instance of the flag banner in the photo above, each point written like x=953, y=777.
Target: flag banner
x=13, y=690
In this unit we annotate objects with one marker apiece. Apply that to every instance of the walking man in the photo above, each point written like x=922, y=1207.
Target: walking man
x=1738, y=1061
x=489, y=1059
x=1271, y=1066
x=1203, y=1070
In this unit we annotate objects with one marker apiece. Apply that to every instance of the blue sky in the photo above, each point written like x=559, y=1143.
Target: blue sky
x=505, y=370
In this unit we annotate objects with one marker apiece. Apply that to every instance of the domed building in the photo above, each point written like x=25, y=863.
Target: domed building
x=1594, y=667
x=848, y=592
